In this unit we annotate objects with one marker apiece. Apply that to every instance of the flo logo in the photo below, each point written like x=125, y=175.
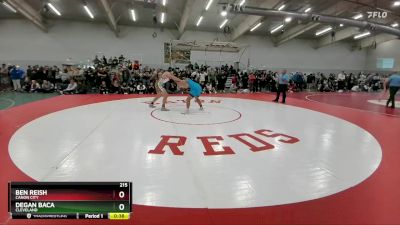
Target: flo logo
x=376, y=14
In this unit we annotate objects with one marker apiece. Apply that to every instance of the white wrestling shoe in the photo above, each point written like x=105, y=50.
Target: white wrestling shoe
x=164, y=109
x=201, y=108
x=186, y=112
x=152, y=105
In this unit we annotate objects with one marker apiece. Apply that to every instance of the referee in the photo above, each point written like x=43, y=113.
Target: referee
x=283, y=81
x=394, y=85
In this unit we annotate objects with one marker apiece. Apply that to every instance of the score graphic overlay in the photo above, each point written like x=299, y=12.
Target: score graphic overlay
x=70, y=200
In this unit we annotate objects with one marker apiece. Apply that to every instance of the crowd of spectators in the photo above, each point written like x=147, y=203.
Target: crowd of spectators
x=119, y=75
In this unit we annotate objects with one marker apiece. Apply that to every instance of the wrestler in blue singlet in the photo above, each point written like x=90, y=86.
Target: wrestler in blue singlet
x=195, y=88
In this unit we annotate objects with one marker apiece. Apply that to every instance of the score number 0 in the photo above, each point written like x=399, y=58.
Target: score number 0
x=121, y=195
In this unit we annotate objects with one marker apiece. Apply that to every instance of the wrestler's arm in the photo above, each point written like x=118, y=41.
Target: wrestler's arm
x=172, y=77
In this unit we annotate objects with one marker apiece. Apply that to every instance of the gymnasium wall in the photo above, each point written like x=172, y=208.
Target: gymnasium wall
x=389, y=49
x=22, y=42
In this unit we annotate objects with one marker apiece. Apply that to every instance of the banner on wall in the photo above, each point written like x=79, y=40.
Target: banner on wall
x=175, y=56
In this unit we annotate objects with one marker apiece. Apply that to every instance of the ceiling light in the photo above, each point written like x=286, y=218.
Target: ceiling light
x=341, y=25
x=224, y=13
x=256, y=26
x=9, y=7
x=162, y=17
x=358, y=36
x=307, y=10
x=164, y=2
x=396, y=3
x=323, y=31
x=88, y=11
x=199, y=21
x=223, y=24
x=208, y=4
x=242, y=2
x=288, y=19
x=281, y=7
x=276, y=29
x=54, y=9
x=395, y=25
x=133, y=15
x=358, y=16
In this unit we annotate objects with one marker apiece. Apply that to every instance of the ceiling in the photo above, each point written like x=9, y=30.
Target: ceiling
x=145, y=12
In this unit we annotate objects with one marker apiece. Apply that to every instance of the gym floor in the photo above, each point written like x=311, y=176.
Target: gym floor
x=10, y=99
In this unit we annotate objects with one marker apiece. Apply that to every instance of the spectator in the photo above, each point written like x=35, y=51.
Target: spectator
x=245, y=80
x=125, y=89
x=298, y=81
x=115, y=88
x=132, y=87
x=311, y=81
x=115, y=62
x=252, y=80
x=210, y=89
x=53, y=74
x=202, y=79
x=96, y=60
x=71, y=89
x=350, y=81
x=35, y=87
x=90, y=78
x=233, y=88
x=234, y=80
x=257, y=82
x=141, y=88
x=220, y=87
x=136, y=66
x=125, y=74
x=82, y=88
x=103, y=88
x=27, y=84
x=268, y=80
x=47, y=87
x=341, y=80
x=103, y=76
x=374, y=83
x=195, y=75
x=39, y=75
x=212, y=78
x=47, y=73
x=16, y=75
x=4, y=78
x=121, y=59
x=263, y=82
x=151, y=89
x=146, y=79
x=171, y=86
x=29, y=72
